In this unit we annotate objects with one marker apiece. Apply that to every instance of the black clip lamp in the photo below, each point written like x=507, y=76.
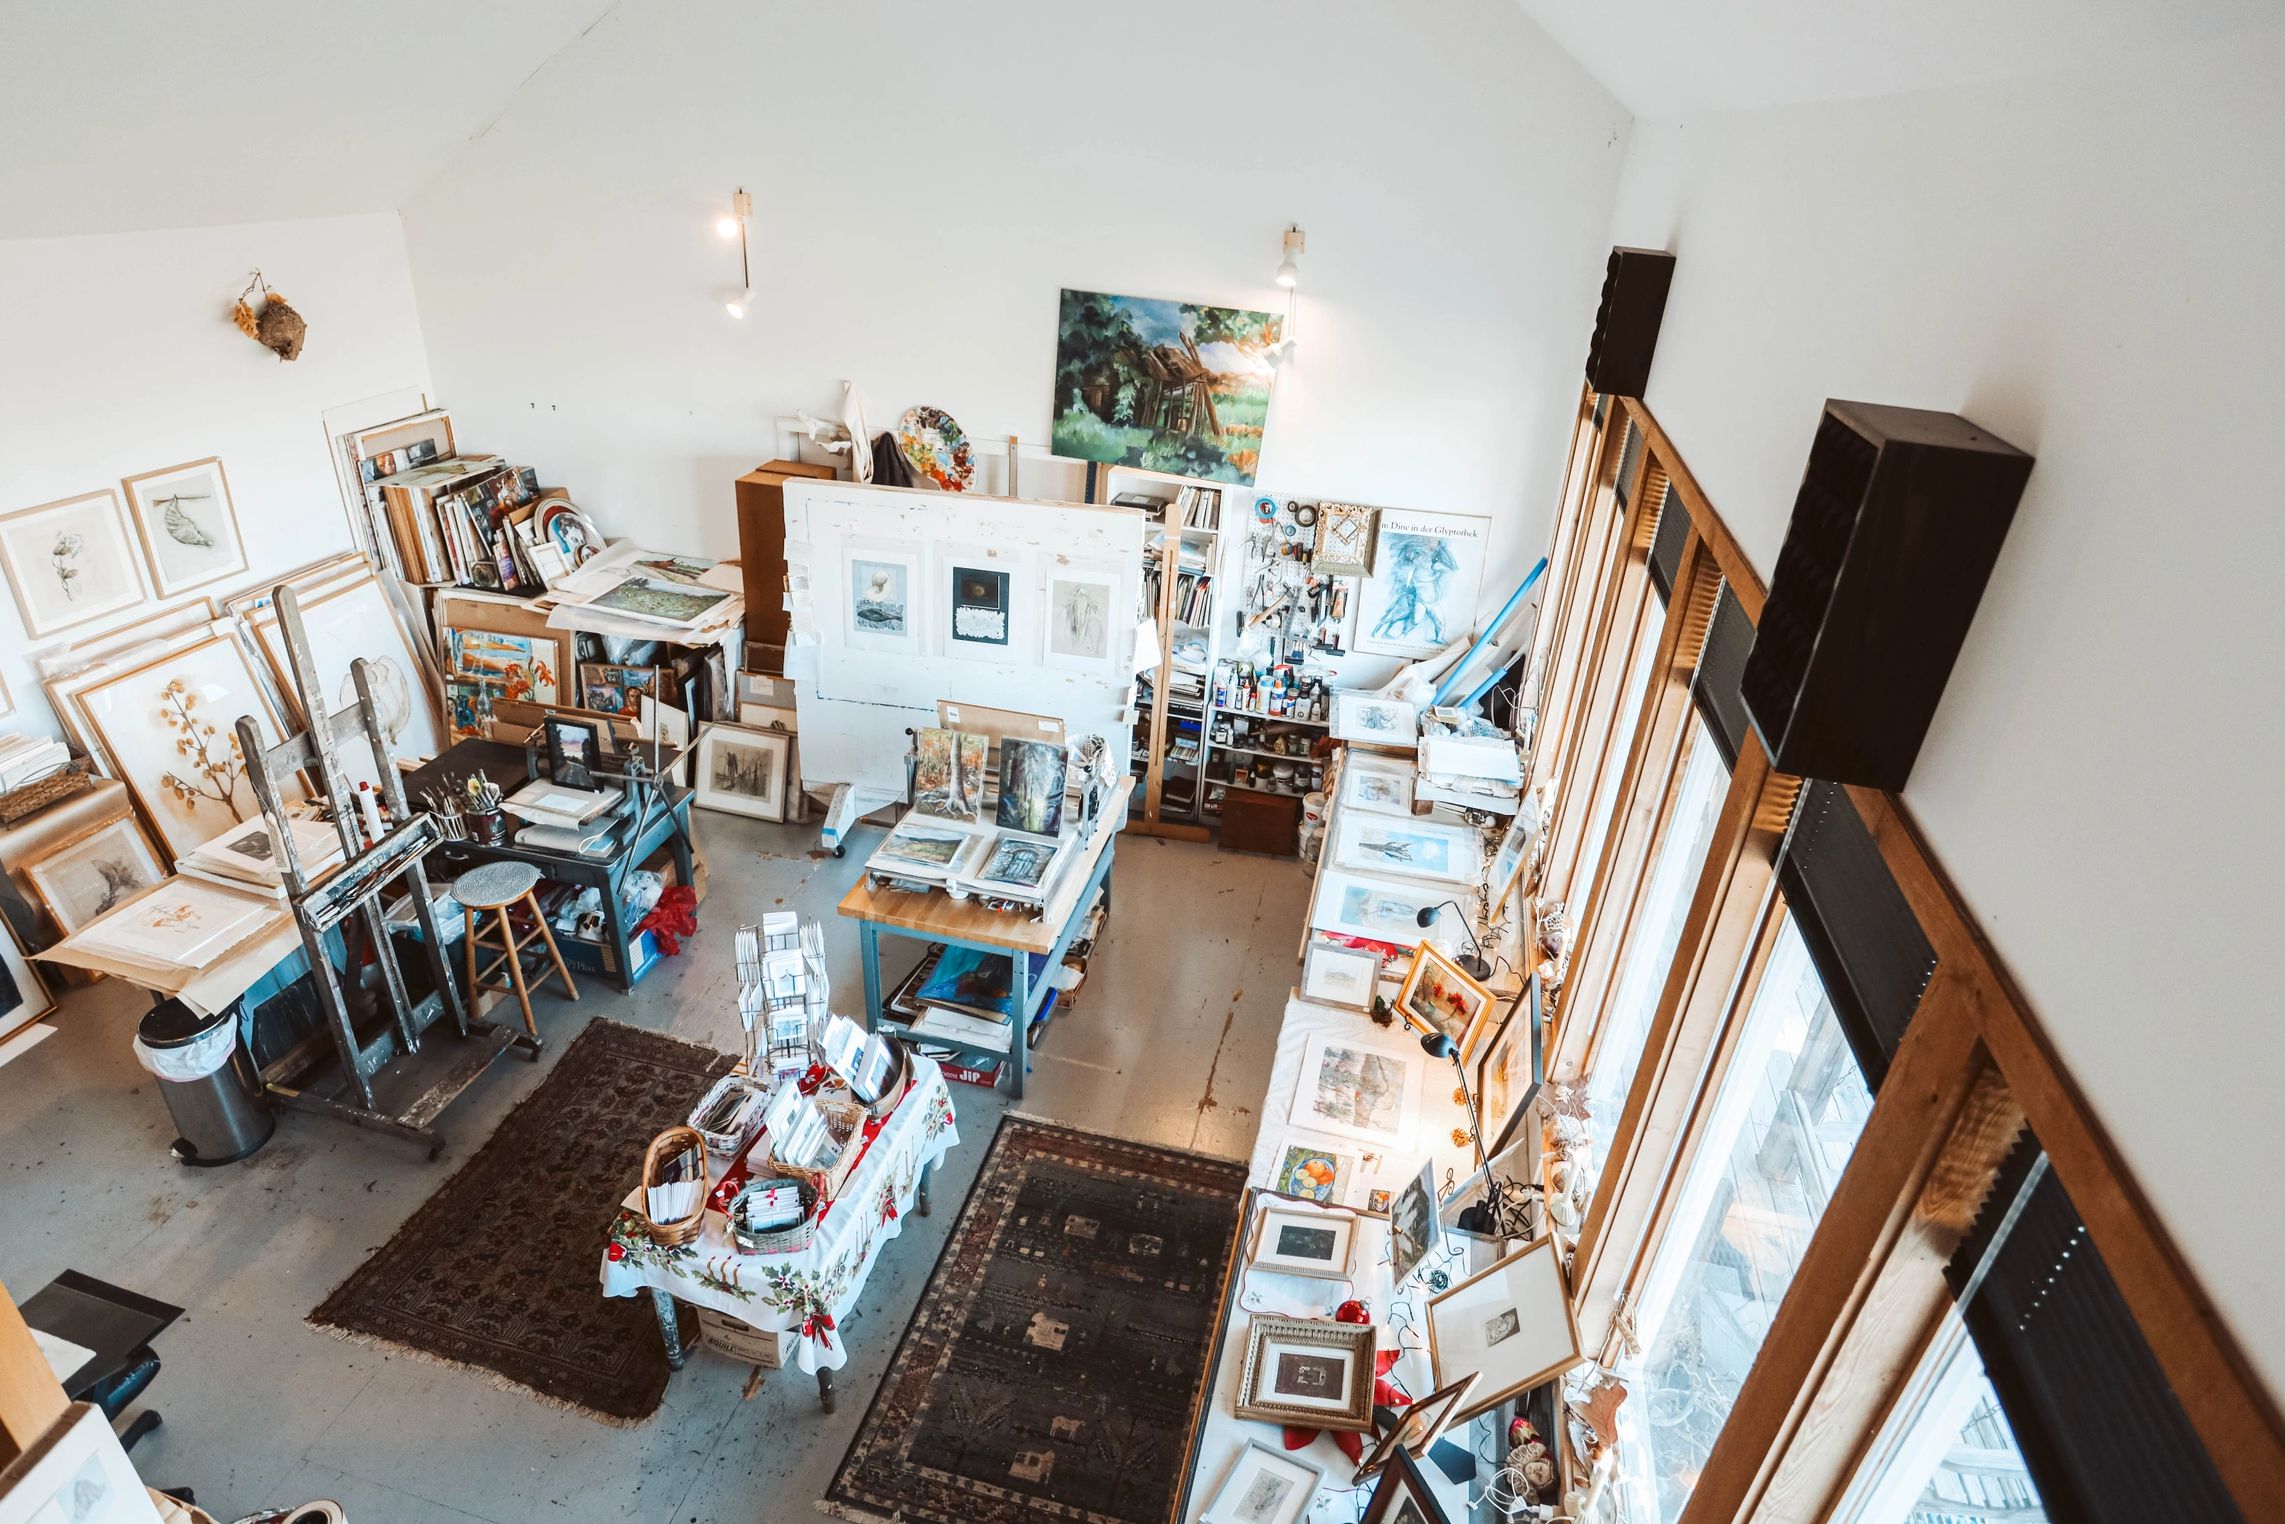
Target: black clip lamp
x=1475, y=1218
x=1475, y=963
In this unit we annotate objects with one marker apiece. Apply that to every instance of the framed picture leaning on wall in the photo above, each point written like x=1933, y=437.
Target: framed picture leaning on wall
x=188, y=524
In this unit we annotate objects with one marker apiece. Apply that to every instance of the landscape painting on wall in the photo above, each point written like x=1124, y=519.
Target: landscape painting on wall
x=1166, y=386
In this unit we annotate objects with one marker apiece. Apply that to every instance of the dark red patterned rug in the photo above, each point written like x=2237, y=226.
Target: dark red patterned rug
x=497, y=1271
x=1055, y=1366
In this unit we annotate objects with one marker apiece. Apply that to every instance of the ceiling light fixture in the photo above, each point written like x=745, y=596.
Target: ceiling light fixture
x=1288, y=276
x=734, y=226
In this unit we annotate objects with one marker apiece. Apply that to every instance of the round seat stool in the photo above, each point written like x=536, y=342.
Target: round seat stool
x=503, y=889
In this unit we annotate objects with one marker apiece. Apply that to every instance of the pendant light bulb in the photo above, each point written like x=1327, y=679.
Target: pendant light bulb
x=737, y=305
x=1289, y=272
x=727, y=228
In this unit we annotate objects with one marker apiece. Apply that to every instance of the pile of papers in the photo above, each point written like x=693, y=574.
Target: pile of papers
x=640, y=594
x=1468, y=761
x=27, y=759
x=183, y=923
x=246, y=856
x=965, y=996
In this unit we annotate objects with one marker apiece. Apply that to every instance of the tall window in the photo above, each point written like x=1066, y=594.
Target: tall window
x=1615, y=755
x=1784, y=1119
x=1948, y=1455
x=1657, y=932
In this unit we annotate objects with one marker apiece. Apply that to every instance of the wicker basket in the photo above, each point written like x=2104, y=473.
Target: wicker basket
x=781, y=1240
x=39, y=794
x=664, y=1147
x=842, y=1116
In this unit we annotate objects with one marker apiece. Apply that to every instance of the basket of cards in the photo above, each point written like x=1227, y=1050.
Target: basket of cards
x=820, y=1152
x=773, y=1215
x=673, y=1202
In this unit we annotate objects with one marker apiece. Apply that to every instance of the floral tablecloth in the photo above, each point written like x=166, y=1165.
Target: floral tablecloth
x=812, y=1290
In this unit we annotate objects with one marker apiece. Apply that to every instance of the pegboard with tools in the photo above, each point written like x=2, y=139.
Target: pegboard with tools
x=1288, y=611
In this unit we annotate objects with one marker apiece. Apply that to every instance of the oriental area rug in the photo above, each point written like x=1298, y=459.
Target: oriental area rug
x=497, y=1272
x=1058, y=1358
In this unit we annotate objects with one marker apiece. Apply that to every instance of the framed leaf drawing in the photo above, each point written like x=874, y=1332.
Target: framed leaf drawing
x=188, y=524
x=70, y=562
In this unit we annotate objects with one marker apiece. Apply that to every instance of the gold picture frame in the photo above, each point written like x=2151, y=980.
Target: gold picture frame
x=186, y=547
x=1285, y=1354
x=1514, y=1303
x=52, y=610
x=1435, y=981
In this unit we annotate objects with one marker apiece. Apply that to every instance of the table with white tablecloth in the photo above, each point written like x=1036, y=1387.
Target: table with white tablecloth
x=809, y=1291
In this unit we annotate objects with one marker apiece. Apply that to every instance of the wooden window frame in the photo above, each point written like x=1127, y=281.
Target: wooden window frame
x=1576, y=652
x=1975, y=1066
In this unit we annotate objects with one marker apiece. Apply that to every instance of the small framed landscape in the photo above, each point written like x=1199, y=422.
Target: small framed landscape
x=1510, y=1323
x=188, y=524
x=743, y=771
x=1344, y=976
x=1265, y=1486
x=1303, y=1371
x=1298, y=1241
x=70, y=562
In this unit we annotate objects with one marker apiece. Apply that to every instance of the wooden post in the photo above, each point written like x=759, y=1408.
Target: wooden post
x=31, y=1400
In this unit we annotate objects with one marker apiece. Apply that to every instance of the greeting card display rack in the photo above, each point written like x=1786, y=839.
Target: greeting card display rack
x=381, y=1082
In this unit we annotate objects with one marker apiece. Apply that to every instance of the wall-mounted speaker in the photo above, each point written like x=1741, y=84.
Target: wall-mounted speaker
x=1626, y=321
x=1896, y=528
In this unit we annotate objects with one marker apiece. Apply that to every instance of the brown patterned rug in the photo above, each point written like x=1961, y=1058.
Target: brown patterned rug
x=497, y=1271
x=1055, y=1366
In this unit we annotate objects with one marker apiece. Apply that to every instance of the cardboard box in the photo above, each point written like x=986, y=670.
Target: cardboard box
x=769, y=1348
x=761, y=549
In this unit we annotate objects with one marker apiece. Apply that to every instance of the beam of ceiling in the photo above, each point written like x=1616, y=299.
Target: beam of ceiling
x=1671, y=57
x=129, y=114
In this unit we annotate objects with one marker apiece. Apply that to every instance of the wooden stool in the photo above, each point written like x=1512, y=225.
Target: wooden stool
x=500, y=888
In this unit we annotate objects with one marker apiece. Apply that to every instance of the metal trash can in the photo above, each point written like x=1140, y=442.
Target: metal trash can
x=208, y=1080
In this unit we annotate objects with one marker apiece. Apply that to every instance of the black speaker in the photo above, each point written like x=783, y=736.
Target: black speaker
x=1626, y=322
x=1894, y=533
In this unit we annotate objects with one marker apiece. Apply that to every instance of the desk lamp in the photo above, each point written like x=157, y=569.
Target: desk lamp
x=1475, y=963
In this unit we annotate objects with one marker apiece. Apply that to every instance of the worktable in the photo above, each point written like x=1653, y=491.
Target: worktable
x=937, y=917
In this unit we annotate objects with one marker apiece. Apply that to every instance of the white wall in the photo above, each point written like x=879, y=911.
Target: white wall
x=926, y=184
x=2088, y=266
x=119, y=357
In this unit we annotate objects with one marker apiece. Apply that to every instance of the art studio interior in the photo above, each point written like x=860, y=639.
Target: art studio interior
x=1280, y=762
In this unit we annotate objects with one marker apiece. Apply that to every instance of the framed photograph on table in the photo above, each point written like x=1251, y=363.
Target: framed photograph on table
x=1344, y=976
x=1411, y=846
x=95, y=874
x=70, y=562
x=1359, y=1091
x=1308, y=1371
x=1403, y=1495
x=1265, y=1486
x=1421, y=1426
x=1296, y=1241
x=1439, y=996
x=188, y=524
x=1510, y=1323
x=743, y=771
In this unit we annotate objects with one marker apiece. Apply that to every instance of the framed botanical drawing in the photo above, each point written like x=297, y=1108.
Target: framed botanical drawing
x=743, y=771
x=169, y=728
x=188, y=524
x=96, y=873
x=70, y=562
x=1510, y=1323
x=23, y=998
x=345, y=621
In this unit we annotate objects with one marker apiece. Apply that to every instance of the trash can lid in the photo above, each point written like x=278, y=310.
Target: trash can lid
x=171, y=1024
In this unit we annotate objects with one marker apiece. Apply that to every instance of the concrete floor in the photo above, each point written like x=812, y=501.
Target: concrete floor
x=1171, y=1043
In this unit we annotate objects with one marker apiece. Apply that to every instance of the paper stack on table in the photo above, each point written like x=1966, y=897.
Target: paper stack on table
x=183, y=923
x=1469, y=762
x=27, y=759
x=246, y=856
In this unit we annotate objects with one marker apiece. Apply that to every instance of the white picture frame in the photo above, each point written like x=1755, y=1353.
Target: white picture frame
x=1381, y=788
x=959, y=615
x=70, y=562
x=1305, y=1241
x=188, y=524
x=743, y=772
x=141, y=714
x=1356, y=1089
x=1264, y=1486
x=884, y=599
x=1428, y=570
x=346, y=620
x=1511, y=1322
x=1384, y=910
x=1347, y=977
x=1081, y=628
x=1369, y=719
x=1407, y=846
x=93, y=874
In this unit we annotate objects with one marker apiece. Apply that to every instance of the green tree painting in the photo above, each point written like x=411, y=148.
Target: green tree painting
x=1167, y=386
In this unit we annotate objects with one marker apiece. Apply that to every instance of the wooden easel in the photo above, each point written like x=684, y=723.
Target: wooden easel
x=360, y=1093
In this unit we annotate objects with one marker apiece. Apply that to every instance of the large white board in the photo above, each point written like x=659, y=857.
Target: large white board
x=902, y=597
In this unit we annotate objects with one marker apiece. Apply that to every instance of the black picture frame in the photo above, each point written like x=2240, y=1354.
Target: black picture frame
x=573, y=765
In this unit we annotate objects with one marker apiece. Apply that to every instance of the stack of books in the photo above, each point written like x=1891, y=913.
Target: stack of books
x=246, y=856
x=27, y=759
x=965, y=997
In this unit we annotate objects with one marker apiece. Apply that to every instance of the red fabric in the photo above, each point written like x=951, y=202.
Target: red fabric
x=674, y=917
x=1386, y=1360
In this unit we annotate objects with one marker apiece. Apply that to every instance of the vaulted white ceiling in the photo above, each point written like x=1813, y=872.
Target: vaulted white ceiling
x=118, y=114
x=1669, y=57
